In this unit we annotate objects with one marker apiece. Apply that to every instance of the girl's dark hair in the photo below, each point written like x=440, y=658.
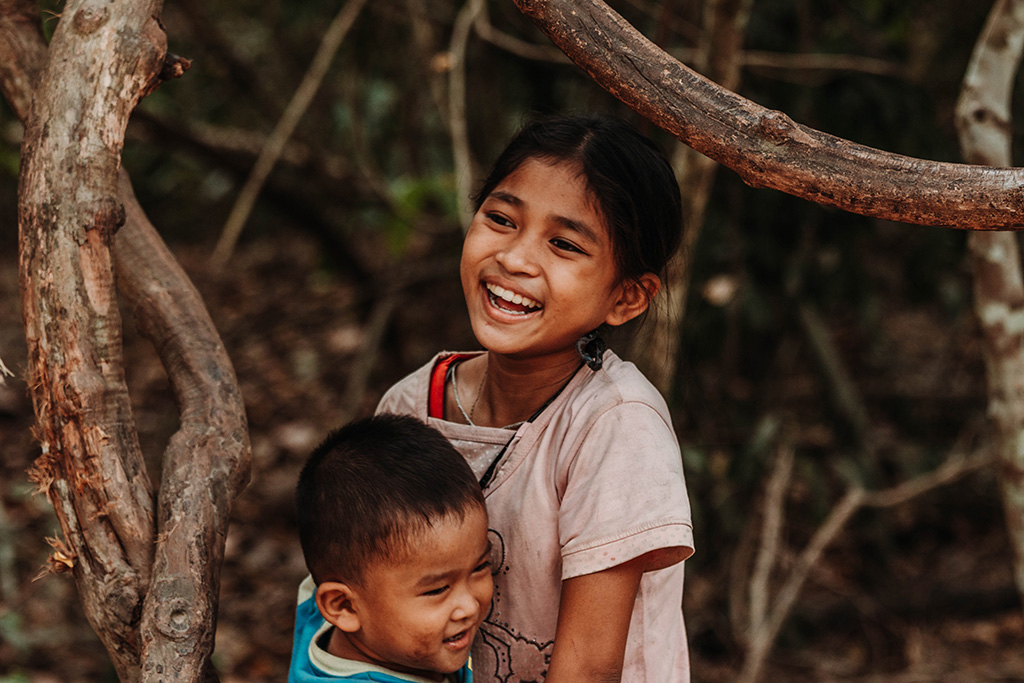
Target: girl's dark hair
x=628, y=175
x=371, y=487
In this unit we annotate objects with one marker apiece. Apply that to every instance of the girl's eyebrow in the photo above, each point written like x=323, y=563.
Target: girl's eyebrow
x=579, y=228
x=506, y=197
x=571, y=224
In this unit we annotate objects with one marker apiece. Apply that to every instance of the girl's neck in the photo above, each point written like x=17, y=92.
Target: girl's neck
x=512, y=390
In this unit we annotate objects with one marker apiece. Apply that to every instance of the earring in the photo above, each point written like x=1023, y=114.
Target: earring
x=591, y=348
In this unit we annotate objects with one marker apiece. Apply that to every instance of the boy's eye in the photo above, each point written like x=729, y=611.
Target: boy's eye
x=566, y=245
x=436, y=591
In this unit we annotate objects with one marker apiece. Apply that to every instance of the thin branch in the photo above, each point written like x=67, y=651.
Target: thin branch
x=845, y=396
x=771, y=536
x=424, y=41
x=954, y=468
x=373, y=335
x=808, y=61
x=293, y=113
x=465, y=167
x=516, y=46
x=241, y=72
x=206, y=463
x=718, y=54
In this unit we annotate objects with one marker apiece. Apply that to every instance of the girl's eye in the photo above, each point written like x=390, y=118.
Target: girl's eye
x=500, y=220
x=566, y=245
x=483, y=566
x=437, y=591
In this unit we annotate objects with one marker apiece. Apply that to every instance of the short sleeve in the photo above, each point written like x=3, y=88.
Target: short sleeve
x=625, y=496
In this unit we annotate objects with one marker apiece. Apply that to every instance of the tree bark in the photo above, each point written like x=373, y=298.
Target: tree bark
x=149, y=587
x=983, y=121
x=766, y=148
x=91, y=465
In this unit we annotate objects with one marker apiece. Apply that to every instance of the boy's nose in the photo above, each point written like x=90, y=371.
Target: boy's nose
x=466, y=606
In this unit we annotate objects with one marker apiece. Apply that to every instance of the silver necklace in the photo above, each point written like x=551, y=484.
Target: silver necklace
x=458, y=402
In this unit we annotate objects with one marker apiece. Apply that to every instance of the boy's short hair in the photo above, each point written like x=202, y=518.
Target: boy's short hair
x=370, y=487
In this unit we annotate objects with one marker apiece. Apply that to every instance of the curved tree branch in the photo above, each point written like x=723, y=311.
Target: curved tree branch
x=766, y=148
x=206, y=463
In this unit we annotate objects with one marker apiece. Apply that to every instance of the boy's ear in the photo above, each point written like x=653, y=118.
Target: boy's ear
x=634, y=298
x=339, y=604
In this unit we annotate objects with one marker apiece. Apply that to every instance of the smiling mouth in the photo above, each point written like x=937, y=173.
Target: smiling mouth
x=454, y=640
x=509, y=301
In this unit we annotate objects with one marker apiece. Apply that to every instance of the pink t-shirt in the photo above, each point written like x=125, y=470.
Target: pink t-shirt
x=594, y=481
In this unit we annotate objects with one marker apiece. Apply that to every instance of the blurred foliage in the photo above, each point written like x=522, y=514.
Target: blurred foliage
x=370, y=173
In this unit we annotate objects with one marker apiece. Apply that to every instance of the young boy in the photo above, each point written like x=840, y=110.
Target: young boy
x=394, y=533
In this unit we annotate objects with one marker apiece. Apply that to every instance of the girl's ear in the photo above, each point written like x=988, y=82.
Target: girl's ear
x=339, y=605
x=634, y=298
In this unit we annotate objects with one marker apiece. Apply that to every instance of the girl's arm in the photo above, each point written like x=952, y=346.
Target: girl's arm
x=593, y=622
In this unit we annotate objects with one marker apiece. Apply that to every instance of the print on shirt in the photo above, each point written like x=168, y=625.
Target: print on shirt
x=510, y=656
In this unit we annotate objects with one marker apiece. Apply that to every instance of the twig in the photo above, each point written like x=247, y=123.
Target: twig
x=296, y=108
x=4, y=373
x=771, y=536
x=374, y=331
x=778, y=61
x=465, y=168
x=241, y=72
x=423, y=39
x=956, y=466
x=763, y=637
x=843, y=390
x=516, y=46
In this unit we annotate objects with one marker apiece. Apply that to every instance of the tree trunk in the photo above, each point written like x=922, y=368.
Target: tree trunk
x=766, y=147
x=720, y=57
x=983, y=121
x=148, y=586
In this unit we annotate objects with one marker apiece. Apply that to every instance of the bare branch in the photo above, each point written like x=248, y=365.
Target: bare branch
x=465, y=167
x=206, y=463
x=771, y=535
x=293, y=113
x=766, y=148
x=718, y=55
x=763, y=637
x=516, y=46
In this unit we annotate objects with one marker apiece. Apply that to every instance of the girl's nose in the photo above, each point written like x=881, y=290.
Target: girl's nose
x=518, y=257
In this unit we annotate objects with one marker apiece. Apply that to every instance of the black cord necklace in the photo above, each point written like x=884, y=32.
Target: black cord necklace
x=488, y=475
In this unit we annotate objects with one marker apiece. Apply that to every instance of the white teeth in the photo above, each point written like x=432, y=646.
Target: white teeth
x=511, y=297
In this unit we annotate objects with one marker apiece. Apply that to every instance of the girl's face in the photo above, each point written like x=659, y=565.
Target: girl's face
x=538, y=268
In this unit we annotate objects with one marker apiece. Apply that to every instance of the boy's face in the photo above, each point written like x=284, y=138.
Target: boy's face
x=421, y=612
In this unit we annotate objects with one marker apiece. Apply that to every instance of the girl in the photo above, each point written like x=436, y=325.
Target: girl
x=574, y=447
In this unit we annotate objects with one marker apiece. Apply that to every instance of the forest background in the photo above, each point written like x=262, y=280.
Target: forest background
x=844, y=346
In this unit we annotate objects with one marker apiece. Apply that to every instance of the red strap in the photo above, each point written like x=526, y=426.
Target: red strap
x=435, y=401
